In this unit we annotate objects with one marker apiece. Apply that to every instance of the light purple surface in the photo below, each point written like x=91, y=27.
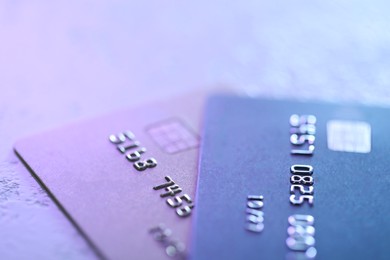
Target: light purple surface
x=73, y=60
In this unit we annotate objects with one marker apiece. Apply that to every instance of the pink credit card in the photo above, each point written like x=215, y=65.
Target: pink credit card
x=126, y=180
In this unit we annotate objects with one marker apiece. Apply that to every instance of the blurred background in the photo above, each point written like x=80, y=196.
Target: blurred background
x=71, y=60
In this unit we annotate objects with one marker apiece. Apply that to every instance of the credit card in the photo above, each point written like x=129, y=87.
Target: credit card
x=292, y=180
x=126, y=180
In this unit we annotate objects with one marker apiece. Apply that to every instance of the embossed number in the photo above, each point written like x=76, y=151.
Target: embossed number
x=178, y=201
x=298, y=169
x=298, y=179
x=143, y=165
x=300, y=199
x=185, y=211
x=302, y=190
x=121, y=138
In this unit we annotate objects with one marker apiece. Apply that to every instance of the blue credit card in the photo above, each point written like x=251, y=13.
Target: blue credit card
x=292, y=180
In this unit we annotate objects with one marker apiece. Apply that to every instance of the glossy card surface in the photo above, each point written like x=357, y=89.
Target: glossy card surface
x=292, y=180
x=126, y=180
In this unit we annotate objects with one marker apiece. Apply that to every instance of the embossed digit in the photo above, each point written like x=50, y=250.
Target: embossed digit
x=184, y=212
x=169, y=182
x=298, y=169
x=302, y=190
x=160, y=233
x=135, y=156
x=300, y=243
x=301, y=220
x=258, y=227
x=255, y=219
x=121, y=138
x=175, y=249
x=255, y=204
x=171, y=191
x=303, y=129
x=178, y=201
x=308, y=152
x=143, y=165
x=298, y=230
x=124, y=148
x=300, y=199
x=302, y=139
x=296, y=120
x=298, y=179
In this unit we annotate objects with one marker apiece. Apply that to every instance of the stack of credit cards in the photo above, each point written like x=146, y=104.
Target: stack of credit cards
x=277, y=179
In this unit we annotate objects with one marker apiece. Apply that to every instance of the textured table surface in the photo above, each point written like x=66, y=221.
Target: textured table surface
x=61, y=62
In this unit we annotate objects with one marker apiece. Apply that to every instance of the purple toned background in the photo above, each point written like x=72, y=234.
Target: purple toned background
x=61, y=62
